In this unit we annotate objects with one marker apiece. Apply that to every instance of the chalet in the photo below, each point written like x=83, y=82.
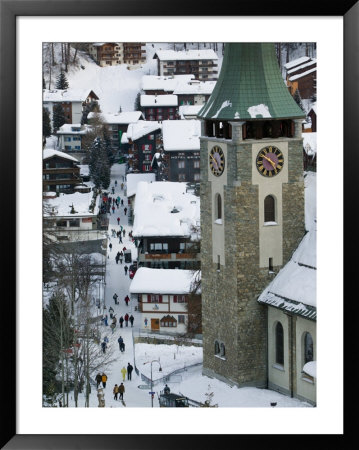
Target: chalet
x=113, y=53
x=117, y=124
x=61, y=172
x=291, y=314
x=301, y=74
x=194, y=92
x=166, y=224
x=159, y=107
x=70, y=137
x=162, y=85
x=312, y=115
x=132, y=180
x=144, y=139
x=203, y=64
x=163, y=299
x=181, y=145
x=75, y=102
x=73, y=217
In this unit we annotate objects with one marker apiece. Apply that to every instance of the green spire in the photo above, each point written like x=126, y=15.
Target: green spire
x=250, y=86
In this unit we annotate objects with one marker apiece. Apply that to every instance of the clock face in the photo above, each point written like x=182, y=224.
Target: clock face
x=216, y=161
x=269, y=161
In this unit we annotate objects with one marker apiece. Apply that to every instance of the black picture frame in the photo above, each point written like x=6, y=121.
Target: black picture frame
x=9, y=11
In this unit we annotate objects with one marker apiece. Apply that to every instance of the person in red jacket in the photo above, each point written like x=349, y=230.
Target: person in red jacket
x=126, y=319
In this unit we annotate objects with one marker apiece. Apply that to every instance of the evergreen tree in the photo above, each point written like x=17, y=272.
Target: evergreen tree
x=58, y=116
x=108, y=146
x=61, y=81
x=137, y=105
x=100, y=170
x=46, y=125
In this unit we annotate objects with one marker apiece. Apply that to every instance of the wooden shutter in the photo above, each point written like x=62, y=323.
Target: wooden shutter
x=175, y=298
x=149, y=298
x=160, y=298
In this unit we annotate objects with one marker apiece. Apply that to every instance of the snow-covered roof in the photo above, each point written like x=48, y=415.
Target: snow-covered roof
x=50, y=152
x=301, y=75
x=141, y=128
x=159, y=100
x=172, y=55
x=165, y=83
x=68, y=128
x=132, y=180
x=294, y=288
x=61, y=206
x=162, y=281
x=297, y=62
x=189, y=110
x=154, y=203
x=118, y=118
x=66, y=95
x=181, y=134
x=195, y=87
x=310, y=143
x=84, y=170
x=302, y=66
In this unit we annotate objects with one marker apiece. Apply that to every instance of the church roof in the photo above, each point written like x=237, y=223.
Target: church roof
x=250, y=86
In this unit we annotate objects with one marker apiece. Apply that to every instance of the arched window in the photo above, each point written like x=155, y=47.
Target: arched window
x=216, y=348
x=223, y=350
x=218, y=206
x=308, y=348
x=269, y=209
x=279, y=344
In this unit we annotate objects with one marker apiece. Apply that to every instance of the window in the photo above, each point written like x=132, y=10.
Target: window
x=168, y=321
x=216, y=348
x=197, y=177
x=279, y=344
x=154, y=298
x=76, y=138
x=180, y=299
x=270, y=264
x=159, y=247
x=269, y=209
x=181, y=177
x=61, y=223
x=74, y=222
x=196, y=164
x=181, y=164
x=222, y=350
x=218, y=206
x=181, y=319
x=67, y=138
x=308, y=348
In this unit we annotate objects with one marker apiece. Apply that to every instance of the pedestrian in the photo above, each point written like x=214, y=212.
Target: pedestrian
x=113, y=190
x=122, y=347
x=115, y=297
x=113, y=209
x=126, y=319
x=104, y=379
x=122, y=201
x=118, y=221
x=121, y=390
x=116, y=185
x=110, y=245
x=118, y=199
x=121, y=254
x=166, y=390
x=126, y=269
x=146, y=321
x=115, y=392
x=120, y=260
x=112, y=326
x=105, y=339
x=129, y=371
x=127, y=299
x=125, y=210
x=98, y=379
x=117, y=258
x=124, y=249
x=120, y=240
x=131, y=320
x=103, y=346
x=123, y=371
x=120, y=341
x=121, y=186
x=121, y=321
x=106, y=320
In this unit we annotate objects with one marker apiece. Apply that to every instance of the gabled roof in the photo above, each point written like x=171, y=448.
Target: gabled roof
x=190, y=55
x=142, y=128
x=50, y=153
x=123, y=118
x=67, y=95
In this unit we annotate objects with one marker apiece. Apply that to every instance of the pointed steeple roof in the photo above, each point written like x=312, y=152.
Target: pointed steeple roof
x=250, y=86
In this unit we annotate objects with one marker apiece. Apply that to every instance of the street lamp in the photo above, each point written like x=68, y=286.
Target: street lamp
x=160, y=370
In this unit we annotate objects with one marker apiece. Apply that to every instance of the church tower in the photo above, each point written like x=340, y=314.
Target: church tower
x=252, y=206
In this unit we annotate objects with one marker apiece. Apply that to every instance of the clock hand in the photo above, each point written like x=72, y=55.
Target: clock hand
x=214, y=160
x=268, y=159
